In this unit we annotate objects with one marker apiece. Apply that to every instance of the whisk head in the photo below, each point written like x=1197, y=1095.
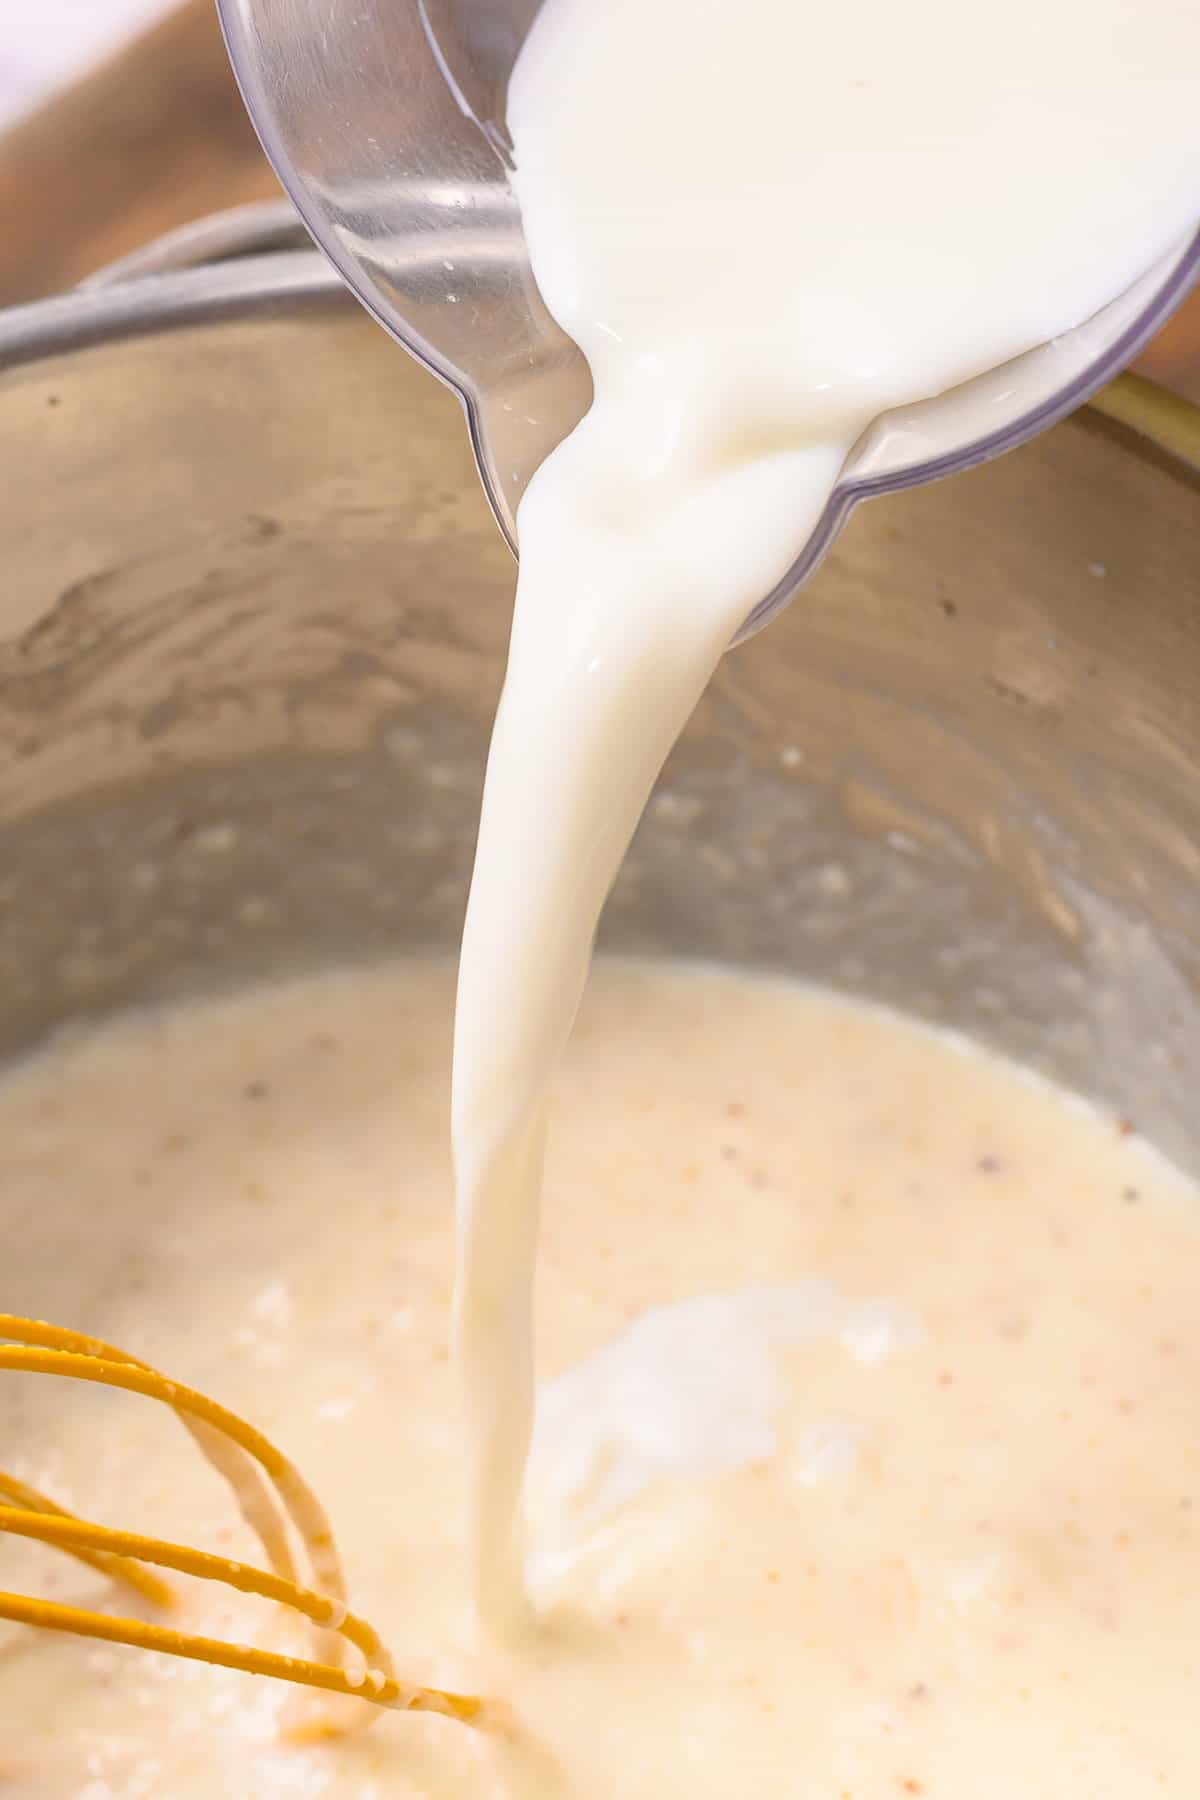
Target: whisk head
x=275, y=1502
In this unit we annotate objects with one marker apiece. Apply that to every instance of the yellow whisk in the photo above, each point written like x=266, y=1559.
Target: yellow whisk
x=272, y=1497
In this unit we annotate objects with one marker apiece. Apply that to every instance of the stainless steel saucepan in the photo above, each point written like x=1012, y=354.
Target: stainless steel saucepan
x=252, y=623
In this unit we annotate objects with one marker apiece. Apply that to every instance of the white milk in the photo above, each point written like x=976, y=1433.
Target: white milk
x=764, y=224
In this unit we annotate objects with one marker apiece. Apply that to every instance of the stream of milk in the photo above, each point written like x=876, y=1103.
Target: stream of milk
x=764, y=225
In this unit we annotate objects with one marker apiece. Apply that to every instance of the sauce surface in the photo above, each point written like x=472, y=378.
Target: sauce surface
x=866, y=1464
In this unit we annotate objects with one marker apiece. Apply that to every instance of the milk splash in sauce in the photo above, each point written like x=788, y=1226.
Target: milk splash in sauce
x=764, y=225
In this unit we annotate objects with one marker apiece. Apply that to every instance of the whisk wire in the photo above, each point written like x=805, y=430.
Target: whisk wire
x=119, y=1569
x=383, y=1691
x=244, y=1456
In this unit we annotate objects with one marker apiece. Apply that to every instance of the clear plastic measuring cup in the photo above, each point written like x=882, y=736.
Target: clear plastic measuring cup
x=384, y=119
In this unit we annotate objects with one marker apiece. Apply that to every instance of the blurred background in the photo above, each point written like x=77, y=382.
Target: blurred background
x=119, y=120
x=52, y=41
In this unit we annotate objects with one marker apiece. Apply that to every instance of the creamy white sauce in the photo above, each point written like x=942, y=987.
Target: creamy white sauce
x=867, y=1460
x=764, y=224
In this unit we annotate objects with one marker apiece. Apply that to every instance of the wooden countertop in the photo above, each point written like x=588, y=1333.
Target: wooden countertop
x=158, y=136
